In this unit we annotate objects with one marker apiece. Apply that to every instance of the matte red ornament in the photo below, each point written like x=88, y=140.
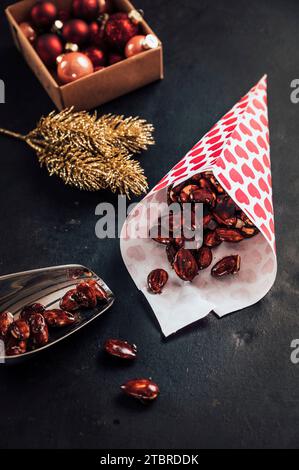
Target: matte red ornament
x=43, y=14
x=73, y=66
x=86, y=9
x=28, y=31
x=119, y=29
x=49, y=47
x=96, y=34
x=96, y=56
x=76, y=32
x=114, y=58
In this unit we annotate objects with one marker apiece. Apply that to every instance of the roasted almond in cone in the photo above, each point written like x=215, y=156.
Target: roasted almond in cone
x=185, y=265
x=203, y=257
x=156, y=280
x=227, y=265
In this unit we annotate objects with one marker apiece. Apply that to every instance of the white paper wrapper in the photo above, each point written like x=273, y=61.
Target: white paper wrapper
x=237, y=150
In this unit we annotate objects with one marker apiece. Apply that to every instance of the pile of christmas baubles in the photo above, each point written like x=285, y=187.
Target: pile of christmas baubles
x=85, y=38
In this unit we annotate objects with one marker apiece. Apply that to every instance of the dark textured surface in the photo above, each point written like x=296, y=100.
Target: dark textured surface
x=224, y=383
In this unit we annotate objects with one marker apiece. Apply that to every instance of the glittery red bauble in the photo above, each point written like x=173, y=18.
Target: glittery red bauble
x=96, y=56
x=73, y=66
x=87, y=9
x=96, y=34
x=120, y=29
x=28, y=31
x=43, y=14
x=75, y=31
x=49, y=47
x=114, y=58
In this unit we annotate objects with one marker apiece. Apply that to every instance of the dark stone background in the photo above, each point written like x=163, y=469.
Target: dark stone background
x=224, y=383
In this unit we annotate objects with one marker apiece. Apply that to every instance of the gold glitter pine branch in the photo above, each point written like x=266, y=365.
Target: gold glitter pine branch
x=91, y=153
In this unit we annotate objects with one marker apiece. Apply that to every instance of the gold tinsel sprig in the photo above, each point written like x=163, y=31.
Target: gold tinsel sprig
x=91, y=153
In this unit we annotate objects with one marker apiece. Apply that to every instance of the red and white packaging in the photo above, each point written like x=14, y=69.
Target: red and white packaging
x=237, y=151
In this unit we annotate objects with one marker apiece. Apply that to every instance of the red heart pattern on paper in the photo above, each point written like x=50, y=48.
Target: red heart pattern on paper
x=237, y=150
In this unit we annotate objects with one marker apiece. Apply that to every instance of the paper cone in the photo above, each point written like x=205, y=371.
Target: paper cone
x=237, y=150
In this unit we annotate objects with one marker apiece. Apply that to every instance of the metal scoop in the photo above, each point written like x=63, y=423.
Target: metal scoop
x=47, y=286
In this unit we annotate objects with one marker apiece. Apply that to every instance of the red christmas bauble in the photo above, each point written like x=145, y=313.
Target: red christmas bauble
x=87, y=9
x=120, y=29
x=49, y=47
x=96, y=34
x=140, y=43
x=73, y=66
x=96, y=56
x=75, y=31
x=43, y=14
x=103, y=6
x=63, y=15
x=114, y=58
x=28, y=31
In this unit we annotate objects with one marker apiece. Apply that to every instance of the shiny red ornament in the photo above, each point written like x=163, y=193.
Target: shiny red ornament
x=49, y=47
x=43, y=14
x=73, y=66
x=140, y=43
x=96, y=34
x=119, y=29
x=96, y=56
x=28, y=31
x=86, y=9
x=113, y=58
x=76, y=32
x=104, y=6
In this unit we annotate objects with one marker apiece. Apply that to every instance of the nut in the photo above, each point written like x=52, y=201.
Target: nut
x=58, y=318
x=186, y=193
x=41, y=337
x=249, y=232
x=15, y=347
x=231, y=235
x=156, y=280
x=6, y=319
x=185, y=265
x=211, y=238
x=98, y=290
x=37, y=323
x=215, y=183
x=204, y=196
x=85, y=295
x=30, y=310
x=69, y=301
x=121, y=349
x=142, y=389
x=20, y=329
x=228, y=265
x=171, y=251
x=204, y=257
